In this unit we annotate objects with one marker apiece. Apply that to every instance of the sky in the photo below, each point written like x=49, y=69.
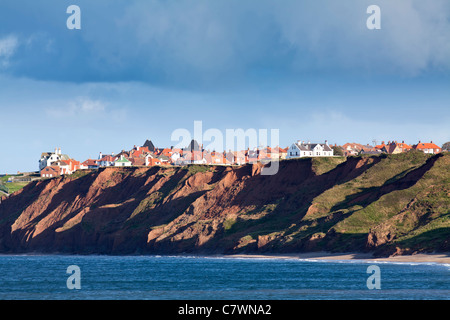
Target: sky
x=140, y=69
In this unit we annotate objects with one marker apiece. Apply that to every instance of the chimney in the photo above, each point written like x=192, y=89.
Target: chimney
x=100, y=156
x=56, y=150
x=382, y=142
x=326, y=142
x=59, y=151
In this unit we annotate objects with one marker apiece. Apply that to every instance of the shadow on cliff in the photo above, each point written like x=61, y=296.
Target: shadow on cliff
x=437, y=240
x=110, y=222
x=72, y=191
x=11, y=209
x=292, y=191
x=109, y=225
x=401, y=181
x=291, y=207
x=334, y=241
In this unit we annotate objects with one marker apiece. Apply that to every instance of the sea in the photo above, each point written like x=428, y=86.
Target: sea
x=92, y=277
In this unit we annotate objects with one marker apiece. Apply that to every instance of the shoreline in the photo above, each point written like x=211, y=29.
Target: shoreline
x=438, y=258
x=441, y=258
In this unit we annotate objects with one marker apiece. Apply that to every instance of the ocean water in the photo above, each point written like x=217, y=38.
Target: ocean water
x=203, y=278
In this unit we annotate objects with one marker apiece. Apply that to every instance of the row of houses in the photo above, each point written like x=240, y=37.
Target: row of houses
x=193, y=154
x=52, y=164
x=391, y=147
x=55, y=163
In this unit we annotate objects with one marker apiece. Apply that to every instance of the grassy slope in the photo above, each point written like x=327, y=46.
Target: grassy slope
x=414, y=216
x=403, y=198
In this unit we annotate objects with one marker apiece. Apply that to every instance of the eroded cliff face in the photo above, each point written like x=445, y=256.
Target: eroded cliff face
x=383, y=204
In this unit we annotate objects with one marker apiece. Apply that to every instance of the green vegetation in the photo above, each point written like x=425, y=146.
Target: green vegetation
x=228, y=223
x=3, y=189
x=402, y=197
x=11, y=187
x=194, y=168
x=80, y=173
x=446, y=146
x=337, y=151
x=321, y=165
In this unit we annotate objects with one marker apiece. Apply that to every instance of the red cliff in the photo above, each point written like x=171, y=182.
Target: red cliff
x=310, y=204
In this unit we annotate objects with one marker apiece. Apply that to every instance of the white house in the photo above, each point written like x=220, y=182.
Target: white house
x=122, y=162
x=48, y=158
x=175, y=156
x=300, y=149
x=106, y=160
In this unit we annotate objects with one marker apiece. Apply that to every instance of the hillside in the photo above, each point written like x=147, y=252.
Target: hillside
x=395, y=204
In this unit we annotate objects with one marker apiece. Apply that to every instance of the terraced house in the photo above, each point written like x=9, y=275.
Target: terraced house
x=300, y=149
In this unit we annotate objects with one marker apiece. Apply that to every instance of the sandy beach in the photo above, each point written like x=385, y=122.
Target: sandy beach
x=367, y=257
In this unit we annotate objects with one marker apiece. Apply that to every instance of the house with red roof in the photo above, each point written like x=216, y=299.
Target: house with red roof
x=397, y=147
x=282, y=153
x=152, y=162
x=166, y=152
x=427, y=147
x=215, y=158
x=89, y=164
x=353, y=149
x=138, y=152
x=381, y=147
x=72, y=166
x=50, y=172
x=138, y=161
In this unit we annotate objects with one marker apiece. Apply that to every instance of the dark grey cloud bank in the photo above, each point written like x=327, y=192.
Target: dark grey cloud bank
x=189, y=43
